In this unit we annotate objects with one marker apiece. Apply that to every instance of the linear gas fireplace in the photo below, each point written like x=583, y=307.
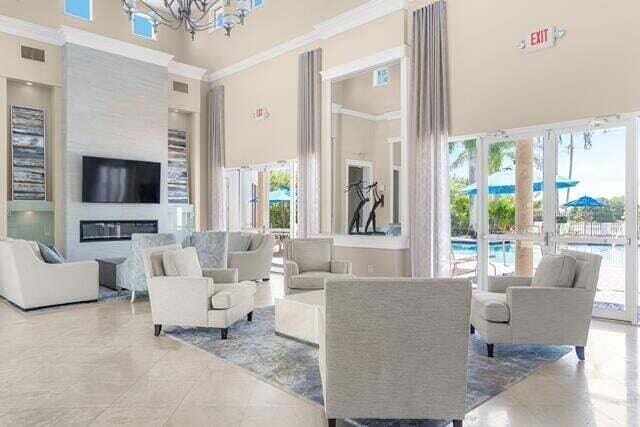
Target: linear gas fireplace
x=106, y=231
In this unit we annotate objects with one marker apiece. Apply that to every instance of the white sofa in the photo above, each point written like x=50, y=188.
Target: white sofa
x=254, y=263
x=515, y=312
x=395, y=348
x=215, y=300
x=30, y=283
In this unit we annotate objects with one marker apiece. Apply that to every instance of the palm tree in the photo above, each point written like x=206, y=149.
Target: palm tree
x=588, y=143
x=498, y=153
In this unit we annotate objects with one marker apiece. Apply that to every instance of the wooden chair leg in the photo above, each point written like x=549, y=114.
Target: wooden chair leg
x=332, y=422
x=457, y=423
x=157, y=329
x=250, y=316
x=224, y=332
x=580, y=352
x=472, y=330
x=490, y=350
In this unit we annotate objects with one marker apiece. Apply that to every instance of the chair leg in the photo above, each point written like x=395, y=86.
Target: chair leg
x=250, y=316
x=332, y=422
x=224, y=332
x=457, y=423
x=472, y=330
x=157, y=329
x=490, y=350
x=580, y=352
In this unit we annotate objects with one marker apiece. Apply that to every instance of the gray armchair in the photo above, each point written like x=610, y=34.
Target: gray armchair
x=308, y=263
x=514, y=312
x=215, y=300
x=395, y=348
x=253, y=261
x=130, y=274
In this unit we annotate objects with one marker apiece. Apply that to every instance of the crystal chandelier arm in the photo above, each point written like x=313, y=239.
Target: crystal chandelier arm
x=157, y=14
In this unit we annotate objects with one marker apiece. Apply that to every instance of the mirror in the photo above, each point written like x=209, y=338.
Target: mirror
x=366, y=152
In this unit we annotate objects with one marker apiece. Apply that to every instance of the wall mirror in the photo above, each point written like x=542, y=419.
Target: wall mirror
x=367, y=150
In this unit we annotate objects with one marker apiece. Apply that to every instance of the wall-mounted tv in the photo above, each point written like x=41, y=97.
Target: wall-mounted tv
x=120, y=181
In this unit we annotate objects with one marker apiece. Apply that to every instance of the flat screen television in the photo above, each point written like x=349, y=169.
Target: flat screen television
x=119, y=181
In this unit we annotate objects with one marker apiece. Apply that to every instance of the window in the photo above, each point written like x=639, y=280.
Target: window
x=381, y=77
x=79, y=8
x=143, y=26
x=256, y=3
x=217, y=15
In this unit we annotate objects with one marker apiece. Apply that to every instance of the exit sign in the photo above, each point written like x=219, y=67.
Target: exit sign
x=540, y=38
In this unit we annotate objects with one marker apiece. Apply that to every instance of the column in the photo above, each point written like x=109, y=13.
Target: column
x=524, y=206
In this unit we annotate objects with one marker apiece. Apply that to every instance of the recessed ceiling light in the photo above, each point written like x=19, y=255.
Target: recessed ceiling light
x=29, y=84
x=175, y=110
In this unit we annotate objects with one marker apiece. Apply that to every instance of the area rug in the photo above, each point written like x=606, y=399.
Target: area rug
x=292, y=365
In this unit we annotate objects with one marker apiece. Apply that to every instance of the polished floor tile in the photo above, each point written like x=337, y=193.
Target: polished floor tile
x=99, y=364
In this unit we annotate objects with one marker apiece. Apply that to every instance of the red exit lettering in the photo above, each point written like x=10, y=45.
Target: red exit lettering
x=539, y=37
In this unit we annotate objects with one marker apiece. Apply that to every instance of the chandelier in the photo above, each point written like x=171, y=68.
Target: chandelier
x=193, y=15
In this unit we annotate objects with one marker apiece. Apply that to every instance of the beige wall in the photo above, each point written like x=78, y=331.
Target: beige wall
x=376, y=262
x=14, y=67
x=185, y=101
x=109, y=20
x=358, y=93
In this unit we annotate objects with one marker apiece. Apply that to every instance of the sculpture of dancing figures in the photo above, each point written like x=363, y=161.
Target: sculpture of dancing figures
x=355, y=221
x=378, y=200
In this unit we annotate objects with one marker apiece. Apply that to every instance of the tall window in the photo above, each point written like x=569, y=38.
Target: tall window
x=79, y=8
x=143, y=27
x=256, y=3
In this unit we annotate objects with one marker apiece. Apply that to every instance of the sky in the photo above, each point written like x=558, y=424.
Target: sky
x=599, y=170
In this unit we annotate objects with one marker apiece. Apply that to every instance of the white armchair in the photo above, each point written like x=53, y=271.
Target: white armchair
x=255, y=262
x=309, y=263
x=514, y=312
x=215, y=300
x=30, y=283
x=395, y=348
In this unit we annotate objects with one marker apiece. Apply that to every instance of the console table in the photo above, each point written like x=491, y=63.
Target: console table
x=107, y=272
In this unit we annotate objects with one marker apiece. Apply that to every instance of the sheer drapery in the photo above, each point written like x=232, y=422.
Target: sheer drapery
x=309, y=143
x=428, y=144
x=216, y=159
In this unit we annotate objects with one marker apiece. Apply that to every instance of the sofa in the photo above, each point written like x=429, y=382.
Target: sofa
x=214, y=300
x=130, y=274
x=212, y=247
x=251, y=254
x=30, y=283
x=542, y=310
x=393, y=348
x=309, y=263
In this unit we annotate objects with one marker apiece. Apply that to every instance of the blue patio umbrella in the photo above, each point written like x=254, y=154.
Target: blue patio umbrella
x=504, y=182
x=584, y=202
x=281, y=195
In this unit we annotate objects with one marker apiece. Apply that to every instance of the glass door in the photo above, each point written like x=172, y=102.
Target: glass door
x=592, y=212
x=513, y=201
x=281, y=198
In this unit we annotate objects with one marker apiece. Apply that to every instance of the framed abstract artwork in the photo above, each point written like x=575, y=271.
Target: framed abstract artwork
x=178, y=170
x=28, y=153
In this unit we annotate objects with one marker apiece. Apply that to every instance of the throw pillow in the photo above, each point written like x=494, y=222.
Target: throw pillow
x=50, y=255
x=181, y=262
x=555, y=271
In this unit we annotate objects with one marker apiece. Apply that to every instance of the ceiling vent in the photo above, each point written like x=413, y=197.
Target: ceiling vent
x=180, y=87
x=32, y=53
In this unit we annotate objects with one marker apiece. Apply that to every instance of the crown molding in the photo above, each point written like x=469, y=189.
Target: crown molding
x=186, y=70
x=29, y=30
x=358, y=16
x=115, y=47
x=358, y=65
x=391, y=115
x=370, y=11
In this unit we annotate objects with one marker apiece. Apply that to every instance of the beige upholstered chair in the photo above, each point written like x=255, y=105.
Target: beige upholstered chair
x=253, y=263
x=30, y=283
x=394, y=348
x=514, y=312
x=309, y=263
x=215, y=300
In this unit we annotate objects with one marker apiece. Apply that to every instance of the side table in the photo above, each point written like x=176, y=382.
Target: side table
x=107, y=272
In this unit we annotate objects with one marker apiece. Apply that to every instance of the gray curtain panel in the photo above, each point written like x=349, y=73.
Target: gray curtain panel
x=309, y=128
x=216, y=159
x=428, y=144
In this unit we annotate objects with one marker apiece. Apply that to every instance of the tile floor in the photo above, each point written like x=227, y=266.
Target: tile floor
x=100, y=364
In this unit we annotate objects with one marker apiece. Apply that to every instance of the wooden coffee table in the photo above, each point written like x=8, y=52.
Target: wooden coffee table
x=297, y=316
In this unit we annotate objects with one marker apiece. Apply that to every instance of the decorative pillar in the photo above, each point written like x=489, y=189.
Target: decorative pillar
x=524, y=206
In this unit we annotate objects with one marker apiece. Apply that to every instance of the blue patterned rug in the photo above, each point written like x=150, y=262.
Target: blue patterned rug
x=255, y=347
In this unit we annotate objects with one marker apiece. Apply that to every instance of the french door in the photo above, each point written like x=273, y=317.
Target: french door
x=563, y=188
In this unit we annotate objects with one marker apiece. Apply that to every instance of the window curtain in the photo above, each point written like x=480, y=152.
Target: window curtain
x=428, y=144
x=216, y=159
x=309, y=128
